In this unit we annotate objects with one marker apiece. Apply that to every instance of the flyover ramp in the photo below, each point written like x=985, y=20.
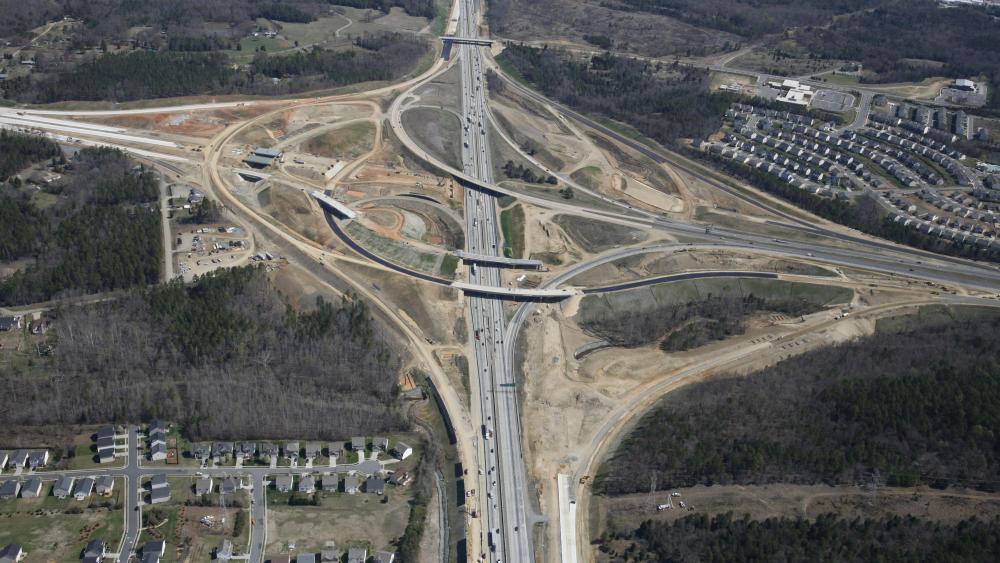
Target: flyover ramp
x=499, y=260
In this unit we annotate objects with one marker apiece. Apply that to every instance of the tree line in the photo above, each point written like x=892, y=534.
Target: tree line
x=226, y=357
x=920, y=406
x=160, y=74
x=726, y=538
x=18, y=150
x=683, y=326
x=102, y=233
x=663, y=102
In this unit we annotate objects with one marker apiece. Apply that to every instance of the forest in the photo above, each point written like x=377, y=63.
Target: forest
x=17, y=151
x=226, y=357
x=726, y=538
x=141, y=75
x=683, y=326
x=908, y=40
x=663, y=102
x=749, y=19
x=917, y=405
x=108, y=19
x=102, y=233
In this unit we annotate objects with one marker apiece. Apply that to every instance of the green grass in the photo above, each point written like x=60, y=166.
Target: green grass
x=48, y=527
x=449, y=265
x=348, y=142
x=166, y=531
x=589, y=176
x=512, y=223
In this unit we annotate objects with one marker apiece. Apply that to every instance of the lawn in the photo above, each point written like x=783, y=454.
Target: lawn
x=50, y=529
x=512, y=224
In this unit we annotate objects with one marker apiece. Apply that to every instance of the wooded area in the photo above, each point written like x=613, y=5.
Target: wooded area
x=903, y=40
x=101, y=233
x=683, y=326
x=663, y=102
x=227, y=358
x=920, y=406
x=729, y=539
x=17, y=151
x=160, y=74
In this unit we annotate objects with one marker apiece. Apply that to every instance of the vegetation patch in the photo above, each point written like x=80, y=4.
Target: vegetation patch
x=596, y=236
x=919, y=406
x=512, y=224
x=709, y=311
x=345, y=143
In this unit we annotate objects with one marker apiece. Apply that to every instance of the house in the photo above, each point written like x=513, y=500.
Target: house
x=222, y=449
x=380, y=444
x=63, y=487
x=330, y=483
x=95, y=551
x=375, y=485
x=225, y=550
x=9, y=489
x=32, y=488
x=158, y=452
x=384, y=557
x=280, y=559
x=105, y=443
x=246, y=450
x=38, y=458
x=313, y=450
x=283, y=483
x=4, y=458
x=402, y=451
x=19, y=459
x=105, y=432
x=358, y=443
x=162, y=494
x=158, y=426
x=306, y=558
x=203, y=486
x=307, y=484
x=230, y=485
x=269, y=450
x=335, y=449
x=351, y=484
x=158, y=481
x=104, y=485
x=10, y=322
x=330, y=552
x=357, y=555
x=157, y=437
x=11, y=553
x=106, y=456
x=400, y=478
x=84, y=487
x=201, y=451
x=154, y=548
x=292, y=450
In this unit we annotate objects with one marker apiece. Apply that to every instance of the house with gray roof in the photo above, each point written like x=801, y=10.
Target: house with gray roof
x=283, y=483
x=162, y=494
x=230, y=485
x=384, y=557
x=306, y=558
x=357, y=555
x=84, y=488
x=9, y=489
x=380, y=444
x=351, y=484
x=63, y=487
x=330, y=483
x=158, y=452
x=38, y=458
x=291, y=450
x=329, y=552
x=375, y=485
x=19, y=458
x=203, y=486
x=32, y=488
x=313, y=450
x=104, y=485
x=358, y=443
x=11, y=553
x=269, y=450
x=307, y=484
x=158, y=481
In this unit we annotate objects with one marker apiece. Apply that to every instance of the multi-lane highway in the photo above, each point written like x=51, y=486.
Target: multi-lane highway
x=502, y=500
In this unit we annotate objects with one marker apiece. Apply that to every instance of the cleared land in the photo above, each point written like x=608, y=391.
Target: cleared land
x=344, y=143
x=437, y=131
x=594, y=236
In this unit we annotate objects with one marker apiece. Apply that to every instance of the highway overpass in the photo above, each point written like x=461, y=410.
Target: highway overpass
x=499, y=260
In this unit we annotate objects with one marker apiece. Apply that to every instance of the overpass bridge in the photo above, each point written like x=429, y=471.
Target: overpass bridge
x=467, y=40
x=516, y=293
x=501, y=261
x=334, y=205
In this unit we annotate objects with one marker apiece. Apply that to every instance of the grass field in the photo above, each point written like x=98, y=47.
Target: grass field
x=50, y=529
x=345, y=143
x=596, y=236
x=512, y=224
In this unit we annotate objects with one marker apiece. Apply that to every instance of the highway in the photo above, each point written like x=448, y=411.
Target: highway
x=502, y=490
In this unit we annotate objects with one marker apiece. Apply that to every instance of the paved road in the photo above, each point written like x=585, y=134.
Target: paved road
x=502, y=491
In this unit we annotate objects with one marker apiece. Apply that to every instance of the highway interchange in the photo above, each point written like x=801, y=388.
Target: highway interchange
x=504, y=530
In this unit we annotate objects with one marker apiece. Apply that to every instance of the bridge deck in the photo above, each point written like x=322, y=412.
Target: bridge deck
x=501, y=260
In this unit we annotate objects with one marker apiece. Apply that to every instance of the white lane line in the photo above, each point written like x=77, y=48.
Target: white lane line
x=19, y=121
x=89, y=143
x=50, y=121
